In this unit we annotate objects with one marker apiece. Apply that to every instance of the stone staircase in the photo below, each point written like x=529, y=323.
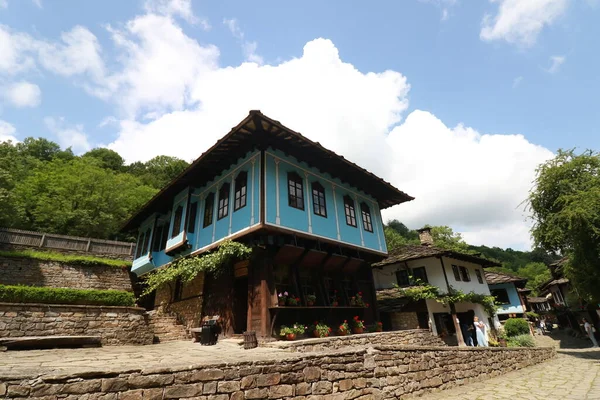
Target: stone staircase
x=166, y=327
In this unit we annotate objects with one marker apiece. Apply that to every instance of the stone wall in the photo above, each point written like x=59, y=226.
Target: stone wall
x=404, y=320
x=116, y=325
x=374, y=373
x=188, y=308
x=30, y=272
x=414, y=337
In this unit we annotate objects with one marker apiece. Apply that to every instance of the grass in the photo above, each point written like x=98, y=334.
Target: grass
x=63, y=258
x=33, y=294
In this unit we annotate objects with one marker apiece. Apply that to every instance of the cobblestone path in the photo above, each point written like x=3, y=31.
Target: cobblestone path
x=573, y=375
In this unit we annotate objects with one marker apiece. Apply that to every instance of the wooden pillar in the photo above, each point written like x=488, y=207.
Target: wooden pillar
x=459, y=336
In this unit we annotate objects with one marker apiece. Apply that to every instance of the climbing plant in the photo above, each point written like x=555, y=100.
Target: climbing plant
x=187, y=268
x=425, y=291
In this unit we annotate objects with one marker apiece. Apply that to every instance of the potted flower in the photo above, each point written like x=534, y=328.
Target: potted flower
x=293, y=301
x=343, y=329
x=357, y=301
x=321, y=330
x=376, y=327
x=335, y=301
x=358, y=325
x=311, y=299
x=290, y=332
x=282, y=298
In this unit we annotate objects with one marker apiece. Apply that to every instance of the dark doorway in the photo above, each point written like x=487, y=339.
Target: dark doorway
x=443, y=322
x=467, y=319
x=240, y=307
x=423, y=318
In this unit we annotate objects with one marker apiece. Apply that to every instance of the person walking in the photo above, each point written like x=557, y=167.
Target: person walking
x=589, y=329
x=480, y=331
x=466, y=332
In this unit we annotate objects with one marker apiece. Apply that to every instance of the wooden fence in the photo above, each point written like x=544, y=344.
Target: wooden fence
x=17, y=237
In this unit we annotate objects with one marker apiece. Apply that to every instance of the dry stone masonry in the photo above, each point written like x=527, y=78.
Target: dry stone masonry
x=116, y=325
x=383, y=372
x=30, y=272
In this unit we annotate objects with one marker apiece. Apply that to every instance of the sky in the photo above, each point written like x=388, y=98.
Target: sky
x=455, y=102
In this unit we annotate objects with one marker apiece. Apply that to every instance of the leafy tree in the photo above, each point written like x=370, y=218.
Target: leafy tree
x=78, y=197
x=394, y=240
x=109, y=159
x=159, y=171
x=565, y=204
x=43, y=149
x=446, y=238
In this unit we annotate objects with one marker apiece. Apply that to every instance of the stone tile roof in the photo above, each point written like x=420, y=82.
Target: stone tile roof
x=391, y=300
x=415, y=252
x=494, y=278
x=537, y=299
x=558, y=282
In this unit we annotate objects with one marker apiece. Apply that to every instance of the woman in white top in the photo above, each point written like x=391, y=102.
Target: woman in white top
x=481, y=336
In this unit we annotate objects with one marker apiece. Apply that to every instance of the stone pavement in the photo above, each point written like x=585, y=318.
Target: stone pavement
x=573, y=375
x=118, y=358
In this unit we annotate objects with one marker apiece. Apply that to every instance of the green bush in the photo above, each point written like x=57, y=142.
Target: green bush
x=32, y=294
x=516, y=327
x=63, y=258
x=521, y=341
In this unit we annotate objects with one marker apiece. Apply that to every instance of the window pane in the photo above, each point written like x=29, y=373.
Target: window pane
x=240, y=190
x=402, y=277
x=295, y=191
x=223, y=201
x=192, y=217
x=501, y=296
x=465, y=274
x=456, y=273
x=420, y=274
x=349, y=210
x=479, y=277
x=208, y=209
x=318, y=194
x=177, y=221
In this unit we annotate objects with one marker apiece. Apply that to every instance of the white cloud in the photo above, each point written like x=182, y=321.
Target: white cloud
x=182, y=8
x=7, y=132
x=23, y=94
x=248, y=47
x=38, y=3
x=3, y=4
x=15, y=51
x=517, y=82
x=521, y=21
x=444, y=5
x=68, y=136
x=556, y=63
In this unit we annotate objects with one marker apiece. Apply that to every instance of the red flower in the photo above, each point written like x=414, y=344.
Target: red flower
x=329, y=329
x=360, y=293
x=356, y=318
x=367, y=305
x=345, y=321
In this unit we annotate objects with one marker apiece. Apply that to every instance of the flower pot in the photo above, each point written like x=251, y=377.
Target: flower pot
x=358, y=330
x=342, y=332
x=310, y=303
x=316, y=334
x=502, y=342
x=290, y=336
x=379, y=329
x=334, y=304
x=281, y=302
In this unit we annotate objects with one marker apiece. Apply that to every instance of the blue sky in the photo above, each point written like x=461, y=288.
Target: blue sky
x=476, y=94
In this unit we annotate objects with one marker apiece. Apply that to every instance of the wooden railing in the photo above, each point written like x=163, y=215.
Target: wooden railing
x=17, y=237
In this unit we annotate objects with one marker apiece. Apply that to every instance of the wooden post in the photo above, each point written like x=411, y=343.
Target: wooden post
x=42, y=240
x=459, y=336
x=89, y=243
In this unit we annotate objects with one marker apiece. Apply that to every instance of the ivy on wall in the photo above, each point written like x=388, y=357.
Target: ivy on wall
x=187, y=268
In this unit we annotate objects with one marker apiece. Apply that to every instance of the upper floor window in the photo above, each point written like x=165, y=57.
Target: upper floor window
x=403, y=278
x=159, y=241
x=366, y=217
x=193, y=213
x=456, y=272
x=209, y=206
x=223, y=201
x=177, y=221
x=464, y=273
x=420, y=274
x=241, y=185
x=479, y=276
x=318, y=197
x=143, y=243
x=501, y=296
x=295, y=191
x=349, y=210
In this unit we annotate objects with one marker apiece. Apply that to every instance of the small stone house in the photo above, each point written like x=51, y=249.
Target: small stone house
x=507, y=291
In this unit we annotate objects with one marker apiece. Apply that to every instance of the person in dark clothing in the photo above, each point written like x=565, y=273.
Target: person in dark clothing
x=467, y=334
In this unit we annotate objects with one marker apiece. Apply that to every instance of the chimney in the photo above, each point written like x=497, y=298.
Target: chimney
x=425, y=236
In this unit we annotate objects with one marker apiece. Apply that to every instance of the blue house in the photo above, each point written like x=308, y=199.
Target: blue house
x=509, y=293
x=312, y=217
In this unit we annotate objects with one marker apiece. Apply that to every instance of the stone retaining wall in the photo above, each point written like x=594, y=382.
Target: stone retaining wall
x=116, y=325
x=374, y=373
x=413, y=337
x=31, y=272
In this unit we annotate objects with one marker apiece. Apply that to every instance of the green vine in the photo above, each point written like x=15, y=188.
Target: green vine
x=187, y=268
x=428, y=292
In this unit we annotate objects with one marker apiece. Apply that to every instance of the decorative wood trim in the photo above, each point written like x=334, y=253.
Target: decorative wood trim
x=230, y=203
x=277, y=215
x=358, y=214
x=337, y=221
x=376, y=225
x=263, y=187
x=307, y=197
x=253, y=161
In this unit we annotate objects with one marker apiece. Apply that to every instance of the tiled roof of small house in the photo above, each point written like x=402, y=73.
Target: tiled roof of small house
x=557, y=282
x=494, y=278
x=258, y=130
x=391, y=299
x=523, y=290
x=537, y=299
x=416, y=252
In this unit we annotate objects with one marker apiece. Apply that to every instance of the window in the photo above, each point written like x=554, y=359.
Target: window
x=146, y=246
x=191, y=228
x=465, y=274
x=501, y=296
x=366, y=217
x=209, y=205
x=159, y=238
x=479, y=276
x=456, y=273
x=241, y=184
x=295, y=191
x=420, y=274
x=140, y=245
x=177, y=221
x=223, y=201
x=349, y=210
x=318, y=197
x=403, y=278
